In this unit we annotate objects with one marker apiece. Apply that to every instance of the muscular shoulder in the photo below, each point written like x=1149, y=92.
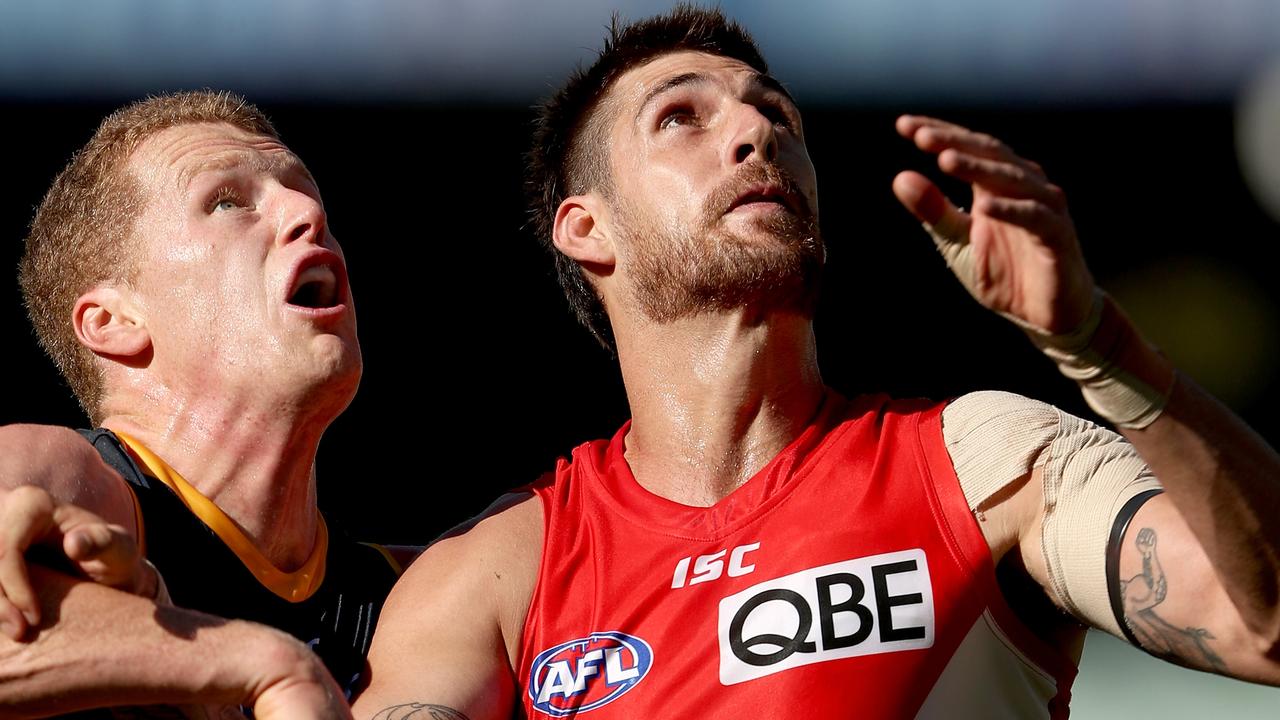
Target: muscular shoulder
x=64, y=464
x=483, y=570
x=1049, y=483
x=995, y=438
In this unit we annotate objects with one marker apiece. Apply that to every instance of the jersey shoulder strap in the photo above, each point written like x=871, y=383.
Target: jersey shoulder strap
x=115, y=456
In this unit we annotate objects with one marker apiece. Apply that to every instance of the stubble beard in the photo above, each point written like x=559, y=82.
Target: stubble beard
x=708, y=268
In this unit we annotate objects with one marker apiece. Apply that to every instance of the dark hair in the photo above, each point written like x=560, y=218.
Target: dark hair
x=568, y=155
x=82, y=233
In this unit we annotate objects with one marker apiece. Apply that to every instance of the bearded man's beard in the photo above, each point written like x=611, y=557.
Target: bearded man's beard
x=680, y=272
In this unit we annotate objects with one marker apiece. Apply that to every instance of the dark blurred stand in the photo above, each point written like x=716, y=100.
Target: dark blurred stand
x=449, y=282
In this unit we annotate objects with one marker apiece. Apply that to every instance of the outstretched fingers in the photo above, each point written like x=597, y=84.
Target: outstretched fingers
x=1018, y=254
x=1006, y=179
x=981, y=159
x=934, y=136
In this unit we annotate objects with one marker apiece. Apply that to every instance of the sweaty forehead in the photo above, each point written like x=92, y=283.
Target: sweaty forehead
x=175, y=156
x=633, y=87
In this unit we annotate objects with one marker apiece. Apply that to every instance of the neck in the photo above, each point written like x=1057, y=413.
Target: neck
x=714, y=398
x=254, y=459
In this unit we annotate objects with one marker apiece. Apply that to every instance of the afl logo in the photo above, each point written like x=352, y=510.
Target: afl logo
x=587, y=673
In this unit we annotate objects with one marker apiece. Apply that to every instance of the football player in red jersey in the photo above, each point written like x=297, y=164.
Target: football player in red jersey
x=750, y=543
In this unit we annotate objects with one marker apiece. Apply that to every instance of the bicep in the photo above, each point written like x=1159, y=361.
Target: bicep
x=1049, y=486
x=1173, y=604
x=438, y=651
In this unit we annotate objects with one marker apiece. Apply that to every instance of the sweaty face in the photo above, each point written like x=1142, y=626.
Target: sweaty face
x=713, y=191
x=241, y=282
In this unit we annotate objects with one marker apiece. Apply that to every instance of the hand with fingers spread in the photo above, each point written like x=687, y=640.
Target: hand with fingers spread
x=1016, y=250
x=104, y=552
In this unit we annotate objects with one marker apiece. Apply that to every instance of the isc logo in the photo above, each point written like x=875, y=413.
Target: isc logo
x=587, y=673
x=709, y=567
x=877, y=604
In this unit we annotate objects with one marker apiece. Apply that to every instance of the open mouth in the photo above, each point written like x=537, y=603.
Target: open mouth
x=318, y=283
x=319, y=289
x=764, y=195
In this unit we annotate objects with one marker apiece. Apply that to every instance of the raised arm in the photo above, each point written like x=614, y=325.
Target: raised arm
x=1224, y=481
x=449, y=634
x=1212, y=533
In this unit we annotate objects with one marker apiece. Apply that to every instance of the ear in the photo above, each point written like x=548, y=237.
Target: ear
x=108, y=322
x=580, y=233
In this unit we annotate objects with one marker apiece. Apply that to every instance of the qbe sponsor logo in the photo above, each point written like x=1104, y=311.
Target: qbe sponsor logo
x=877, y=604
x=587, y=673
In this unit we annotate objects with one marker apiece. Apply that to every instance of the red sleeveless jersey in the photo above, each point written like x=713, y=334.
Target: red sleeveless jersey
x=847, y=578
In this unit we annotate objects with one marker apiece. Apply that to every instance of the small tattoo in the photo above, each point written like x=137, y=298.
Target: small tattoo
x=419, y=711
x=1142, y=593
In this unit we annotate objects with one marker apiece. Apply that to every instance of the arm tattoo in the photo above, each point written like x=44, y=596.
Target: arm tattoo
x=419, y=711
x=1142, y=593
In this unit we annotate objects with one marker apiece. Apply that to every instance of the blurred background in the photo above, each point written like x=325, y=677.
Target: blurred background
x=1161, y=120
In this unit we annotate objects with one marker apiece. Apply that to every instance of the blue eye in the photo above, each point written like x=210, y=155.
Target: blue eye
x=226, y=198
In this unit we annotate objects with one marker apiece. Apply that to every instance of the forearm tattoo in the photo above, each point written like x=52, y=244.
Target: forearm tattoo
x=1142, y=593
x=419, y=711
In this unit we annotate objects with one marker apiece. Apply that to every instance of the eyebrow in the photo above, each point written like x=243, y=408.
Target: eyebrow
x=689, y=78
x=696, y=78
x=237, y=158
x=771, y=83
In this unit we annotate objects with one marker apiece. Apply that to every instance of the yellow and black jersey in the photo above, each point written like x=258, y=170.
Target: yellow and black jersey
x=331, y=603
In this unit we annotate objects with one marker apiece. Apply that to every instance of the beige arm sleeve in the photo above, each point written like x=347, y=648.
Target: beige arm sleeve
x=1089, y=474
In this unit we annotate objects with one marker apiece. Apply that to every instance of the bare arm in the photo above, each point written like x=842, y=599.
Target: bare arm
x=103, y=647
x=1017, y=254
x=1174, y=605
x=60, y=461
x=448, y=636
x=1222, y=478
x=56, y=493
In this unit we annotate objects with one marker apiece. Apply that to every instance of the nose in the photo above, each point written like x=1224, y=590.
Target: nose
x=302, y=217
x=752, y=137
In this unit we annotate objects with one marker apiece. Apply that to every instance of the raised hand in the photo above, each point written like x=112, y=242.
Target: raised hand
x=1016, y=251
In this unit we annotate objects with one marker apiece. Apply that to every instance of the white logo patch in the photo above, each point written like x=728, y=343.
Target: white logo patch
x=864, y=606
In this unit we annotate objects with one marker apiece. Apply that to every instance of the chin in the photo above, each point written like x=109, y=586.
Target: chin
x=336, y=366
